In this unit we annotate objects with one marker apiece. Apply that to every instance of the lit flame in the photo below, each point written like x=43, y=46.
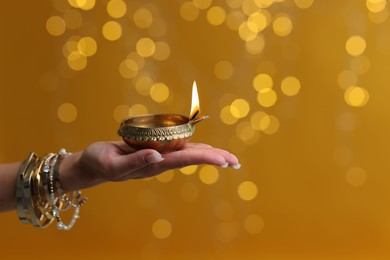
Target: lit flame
x=195, y=109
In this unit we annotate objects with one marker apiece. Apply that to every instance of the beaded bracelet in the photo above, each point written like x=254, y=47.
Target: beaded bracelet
x=55, y=188
x=39, y=197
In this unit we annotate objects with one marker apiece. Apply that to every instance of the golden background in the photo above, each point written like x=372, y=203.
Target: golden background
x=298, y=89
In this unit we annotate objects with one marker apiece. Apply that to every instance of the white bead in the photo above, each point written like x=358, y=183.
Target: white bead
x=60, y=225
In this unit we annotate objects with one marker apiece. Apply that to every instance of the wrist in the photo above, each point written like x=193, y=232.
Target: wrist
x=74, y=176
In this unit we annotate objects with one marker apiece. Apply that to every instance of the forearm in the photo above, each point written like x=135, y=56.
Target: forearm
x=8, y=177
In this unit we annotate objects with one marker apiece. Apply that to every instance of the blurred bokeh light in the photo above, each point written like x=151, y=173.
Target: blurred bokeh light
x=297, y=89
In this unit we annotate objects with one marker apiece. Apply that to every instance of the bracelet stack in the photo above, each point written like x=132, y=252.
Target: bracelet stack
x=39, y=197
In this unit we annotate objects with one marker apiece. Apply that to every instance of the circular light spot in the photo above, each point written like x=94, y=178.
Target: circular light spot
x=159, y=92
x=87, y=46
x=146, y=199
x=216, y=15
x=247, y=190
x=166, y=176
x=189, y=192
x=240, y=108
x=256, y=120
x=162, y=228
x=262, y=81
x=256, y=45
x=138, y=109
x=162, y=52
x=158, y=28
x=380, y=17
x=282, y=25
x=112, y=30
x=253, y=224
x=290, y=86
x=145, y=47
x=249, y=7
x=73, y=19
x=55, y=26
x=355, y=45
x=245, y=32
x=346, y=79
x=188, y=11
x=227, y=116
x=188, y=170
x=74, y=3
x=143, y=85
x=82, y=4
x=134, y=56
x=209, y=174
x=223, y=70
x=356, y=96
x=376, y=6
x=143, y=18
x=67, y=112
x=121, y=112
x=202, y=4
x=234, y=19
x=247, y=133
x=116, y=8
x=128, y=68
x=70, y=46
x=77, y=61
x=267, y=97
x=303, y=4
x=269, y=124
x=258, y=21
x=265, y=3
x=234, y=4
x=356, y=176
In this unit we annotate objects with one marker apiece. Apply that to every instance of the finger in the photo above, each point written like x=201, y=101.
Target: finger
x=197, y=146
x=231, y=159
x=185, y=157
x=129, y=164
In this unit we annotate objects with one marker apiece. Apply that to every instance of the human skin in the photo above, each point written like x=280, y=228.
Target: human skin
x=116, y=162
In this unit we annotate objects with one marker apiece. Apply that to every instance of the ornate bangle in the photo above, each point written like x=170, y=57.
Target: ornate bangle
x=21, y=206
x=39, y=197
x=40, y=207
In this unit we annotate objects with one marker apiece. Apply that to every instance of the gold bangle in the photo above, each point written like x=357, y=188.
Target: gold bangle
x=39, y=197
x=21, y=206
x=40, y=203
x=28, y=196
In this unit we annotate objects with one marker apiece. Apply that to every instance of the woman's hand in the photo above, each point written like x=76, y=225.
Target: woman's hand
x=116, y=161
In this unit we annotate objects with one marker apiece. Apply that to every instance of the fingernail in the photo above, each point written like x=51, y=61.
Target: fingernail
x=225, y=165
x=236, y=166
x=154, y=158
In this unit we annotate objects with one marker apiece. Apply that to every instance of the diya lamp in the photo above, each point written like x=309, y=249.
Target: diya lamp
x=162, y=132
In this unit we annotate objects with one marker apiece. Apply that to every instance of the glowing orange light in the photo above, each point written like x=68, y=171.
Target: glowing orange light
x=195, y=108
